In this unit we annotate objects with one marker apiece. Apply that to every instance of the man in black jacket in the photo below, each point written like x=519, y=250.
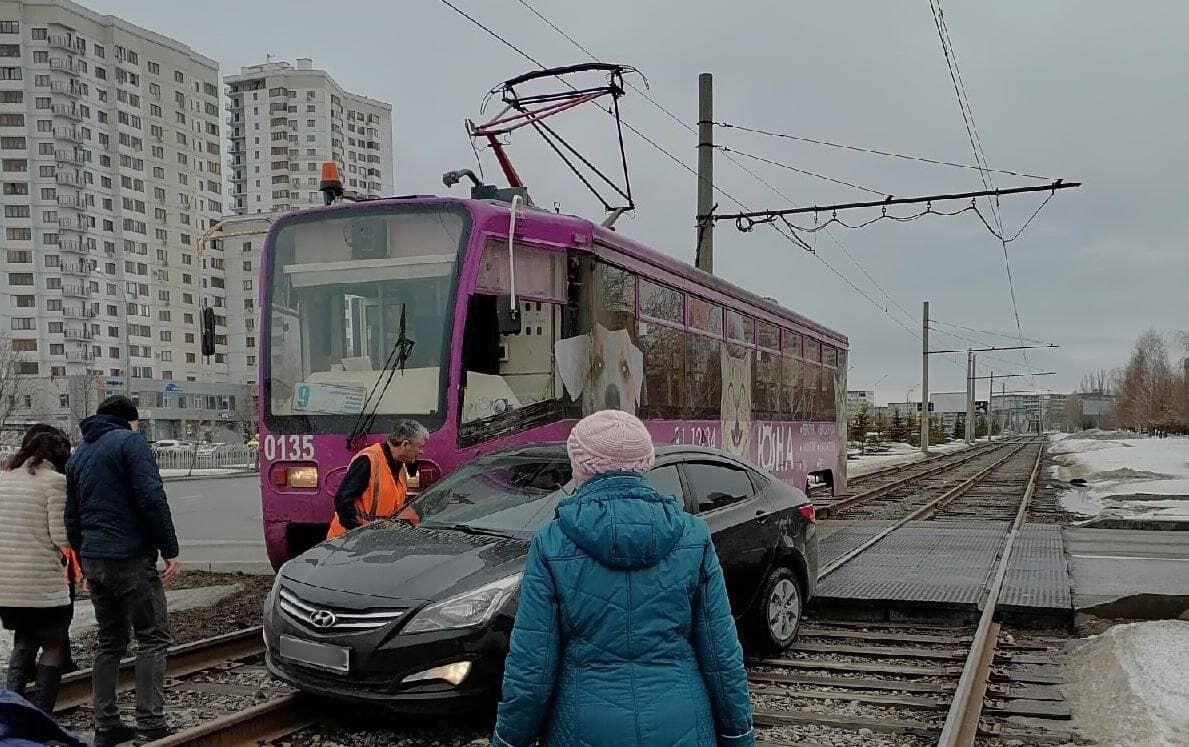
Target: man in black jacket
x=118, y=521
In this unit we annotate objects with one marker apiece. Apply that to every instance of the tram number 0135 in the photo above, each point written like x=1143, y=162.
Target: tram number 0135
x=285, y=448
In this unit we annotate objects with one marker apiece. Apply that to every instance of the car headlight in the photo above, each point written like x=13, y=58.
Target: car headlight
x=474, y=607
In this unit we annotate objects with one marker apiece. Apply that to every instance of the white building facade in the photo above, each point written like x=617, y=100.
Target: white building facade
x=285, y=121
x=111, y=165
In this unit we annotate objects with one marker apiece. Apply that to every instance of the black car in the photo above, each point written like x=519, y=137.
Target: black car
x=416, y=613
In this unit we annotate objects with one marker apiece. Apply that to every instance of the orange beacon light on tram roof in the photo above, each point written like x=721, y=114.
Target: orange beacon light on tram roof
x=332, y=182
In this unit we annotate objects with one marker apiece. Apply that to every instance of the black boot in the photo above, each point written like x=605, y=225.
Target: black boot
x=48, y=680
x=22, y=662
x=68, y=666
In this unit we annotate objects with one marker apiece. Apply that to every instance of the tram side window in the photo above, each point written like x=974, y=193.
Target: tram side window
x=663, y=344
x=511, y=381
x=703, y=360
x=599, y=357
x=829, y=371
x=766, y=374
x=812, y=378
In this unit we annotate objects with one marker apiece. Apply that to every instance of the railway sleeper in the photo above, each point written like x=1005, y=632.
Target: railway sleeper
x=856, y=683
x=1047, y=709
x=899, y=701
x=879, y=652
x=851, y=723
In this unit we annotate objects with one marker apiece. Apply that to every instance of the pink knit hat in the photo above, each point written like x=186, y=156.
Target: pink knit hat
x=609, y=441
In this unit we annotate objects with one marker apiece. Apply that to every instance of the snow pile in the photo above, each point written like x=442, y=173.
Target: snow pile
x=897, y=454
x=1132, y=477
x=1130, y=685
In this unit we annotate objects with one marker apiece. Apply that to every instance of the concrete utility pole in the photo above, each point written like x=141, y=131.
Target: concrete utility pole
x=705, y=227
x=990, y=410
x=969, y=397
x=925, y=380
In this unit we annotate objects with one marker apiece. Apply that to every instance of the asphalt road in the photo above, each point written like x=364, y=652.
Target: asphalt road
x=218, y=523
x=1129, y=573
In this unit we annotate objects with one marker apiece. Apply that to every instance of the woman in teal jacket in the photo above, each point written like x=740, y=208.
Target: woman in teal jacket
x=623, y=634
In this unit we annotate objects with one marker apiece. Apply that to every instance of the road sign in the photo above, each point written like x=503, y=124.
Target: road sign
x=109, y=382
x=172, y=386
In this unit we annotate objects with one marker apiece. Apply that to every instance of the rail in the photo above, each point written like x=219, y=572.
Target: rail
x=181, y=660
x=933, y=458
x=260, y=724
x=933, y=467
x=961, y=723
x=923, y=512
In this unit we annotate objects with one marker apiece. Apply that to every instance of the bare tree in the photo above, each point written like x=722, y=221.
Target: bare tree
x=247, y=414
x=14, y=384
x=83, y=396
x=1096, y=382
x=1148, y=386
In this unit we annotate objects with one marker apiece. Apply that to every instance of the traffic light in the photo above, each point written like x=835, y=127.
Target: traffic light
x=208, y=331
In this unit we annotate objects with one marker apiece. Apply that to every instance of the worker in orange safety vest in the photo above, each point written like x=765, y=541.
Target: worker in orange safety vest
x=376, y=483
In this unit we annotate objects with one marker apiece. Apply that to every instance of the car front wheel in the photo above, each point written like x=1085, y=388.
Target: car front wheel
x=777, y=614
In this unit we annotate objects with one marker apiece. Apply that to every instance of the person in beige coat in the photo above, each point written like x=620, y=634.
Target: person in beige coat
x=34, y=594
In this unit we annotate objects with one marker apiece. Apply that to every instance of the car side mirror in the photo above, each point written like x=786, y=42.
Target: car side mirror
x=507, y=315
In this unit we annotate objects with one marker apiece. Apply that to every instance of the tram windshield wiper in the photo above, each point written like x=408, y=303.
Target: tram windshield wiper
x=398, y=356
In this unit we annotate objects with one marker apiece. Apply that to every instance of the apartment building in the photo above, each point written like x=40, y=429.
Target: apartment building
x=111, y=172
x=285, y=121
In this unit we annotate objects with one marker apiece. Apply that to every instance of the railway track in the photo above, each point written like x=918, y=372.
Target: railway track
x=217, y=687
x=892, y=498
x=843, y=682
x=907, y=683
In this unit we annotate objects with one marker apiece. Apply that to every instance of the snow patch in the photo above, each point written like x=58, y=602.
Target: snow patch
x=1126, y=476
x=1132, y=684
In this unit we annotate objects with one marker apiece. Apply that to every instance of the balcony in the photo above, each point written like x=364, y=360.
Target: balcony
x=71, y=268
x=61, y=41
x=75, y=291
x=65, y=89
x=72, y=245
x=72, y=201
x=67, y=110
x=79, y=335
x=69, y=134
x=71, y=157
x=79, y=356
x=75, y=312
x=62, y=65
x=67, y=178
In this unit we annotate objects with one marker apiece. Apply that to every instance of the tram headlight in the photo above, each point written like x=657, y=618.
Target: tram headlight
x=466, y=610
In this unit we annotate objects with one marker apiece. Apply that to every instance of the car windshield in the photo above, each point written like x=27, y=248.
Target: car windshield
x=509, y=494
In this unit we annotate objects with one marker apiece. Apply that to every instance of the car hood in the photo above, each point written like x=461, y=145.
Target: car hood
x=396, y=561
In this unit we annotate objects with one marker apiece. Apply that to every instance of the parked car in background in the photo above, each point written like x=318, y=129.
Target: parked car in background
x=169, y=444
x=416, y=613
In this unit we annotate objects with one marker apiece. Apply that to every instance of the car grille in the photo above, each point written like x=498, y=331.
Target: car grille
x=331, y=620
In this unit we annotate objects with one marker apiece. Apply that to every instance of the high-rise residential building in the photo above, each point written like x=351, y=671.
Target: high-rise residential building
x=111, y=171
x=285, y=121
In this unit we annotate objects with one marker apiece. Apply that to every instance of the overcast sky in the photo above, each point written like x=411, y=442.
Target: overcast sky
x=1086, y=91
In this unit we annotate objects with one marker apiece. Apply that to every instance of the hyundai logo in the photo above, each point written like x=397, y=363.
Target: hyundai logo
x=323, y=619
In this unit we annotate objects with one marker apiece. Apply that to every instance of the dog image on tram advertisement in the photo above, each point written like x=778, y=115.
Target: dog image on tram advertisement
x=736, y=403
x=602, y=369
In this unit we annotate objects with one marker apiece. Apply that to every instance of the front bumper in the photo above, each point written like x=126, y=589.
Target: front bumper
x=381, y=659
